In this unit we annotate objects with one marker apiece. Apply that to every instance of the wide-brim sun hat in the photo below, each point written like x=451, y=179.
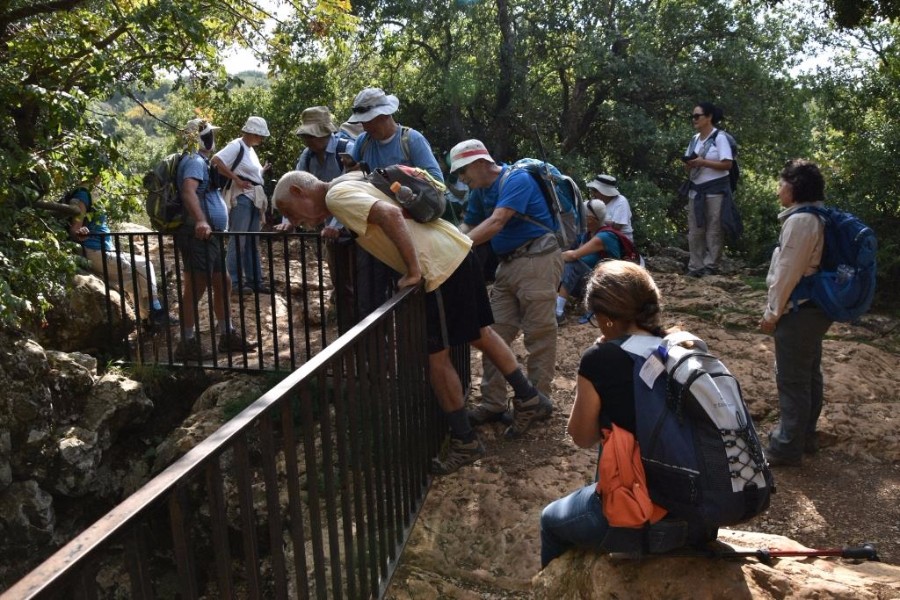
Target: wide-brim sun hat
x=257, y=126
x=317, y=122
x=467, y=152
x=371, y=103
x=605, y=184
x=201, y=126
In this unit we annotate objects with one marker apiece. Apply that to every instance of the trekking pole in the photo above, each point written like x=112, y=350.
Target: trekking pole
x=866, y=551
x=556, y=207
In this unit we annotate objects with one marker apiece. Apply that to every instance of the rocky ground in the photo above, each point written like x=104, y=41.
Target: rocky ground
x=477, y=535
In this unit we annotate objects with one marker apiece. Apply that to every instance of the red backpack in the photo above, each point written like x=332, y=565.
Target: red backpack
x=629, y=252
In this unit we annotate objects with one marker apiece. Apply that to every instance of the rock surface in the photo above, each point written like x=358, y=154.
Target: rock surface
x=584, y=575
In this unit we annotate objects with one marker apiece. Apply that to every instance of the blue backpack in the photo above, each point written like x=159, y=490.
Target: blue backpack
x=563, y=199
x=700, y=451
x=844, y=286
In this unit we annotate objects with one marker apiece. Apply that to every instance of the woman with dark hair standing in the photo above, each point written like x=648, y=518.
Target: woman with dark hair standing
x=625, y=302
x=798, y=330
x=708, y=159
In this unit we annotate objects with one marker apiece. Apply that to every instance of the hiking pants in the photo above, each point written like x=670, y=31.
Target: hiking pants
x=136, y=272
x=798, y=374
x=243, y=250
x=705, y=243
x=523, y=298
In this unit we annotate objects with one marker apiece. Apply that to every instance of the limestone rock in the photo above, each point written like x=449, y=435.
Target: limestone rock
x=26, y=517
x=72, y=324
x=579, y=575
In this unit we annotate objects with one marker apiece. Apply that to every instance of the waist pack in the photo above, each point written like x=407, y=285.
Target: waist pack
x=844, y=286
x=703, y=460
x=163, y=201
x=423, y=199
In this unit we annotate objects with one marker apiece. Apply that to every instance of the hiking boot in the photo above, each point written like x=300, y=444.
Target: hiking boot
x=191, y=351
x=528, y=412
x=459, y=454
x=775, y=460
x=480, y=414
x=811, y=445
x=161, y=318
x=560, y=320
x=233, y=341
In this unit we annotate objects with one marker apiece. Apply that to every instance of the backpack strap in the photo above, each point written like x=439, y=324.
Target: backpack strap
x=341, y=148
x=525, y=217
x=404, y=144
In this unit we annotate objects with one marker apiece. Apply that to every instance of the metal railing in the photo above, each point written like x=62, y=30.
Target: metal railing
x=300, y=315
x=311, y=491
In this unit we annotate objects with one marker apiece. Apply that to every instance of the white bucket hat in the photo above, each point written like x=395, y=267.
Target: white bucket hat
x=467, y=152
x=200, y=126
x=371, y=103
x=316, y=121
x=605, y=184
x=256, y=125
x=596, y=209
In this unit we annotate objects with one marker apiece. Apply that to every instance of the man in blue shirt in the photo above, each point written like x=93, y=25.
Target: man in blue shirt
x=507, y=207
x=383, y=143
x=201, y=252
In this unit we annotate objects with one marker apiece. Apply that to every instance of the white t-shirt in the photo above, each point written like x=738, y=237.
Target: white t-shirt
x=440, y=247
x=720, y=150
x=249, y=167
x=618, y=211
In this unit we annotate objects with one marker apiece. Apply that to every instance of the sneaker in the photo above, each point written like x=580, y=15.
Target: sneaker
x=480, y=414
x=161, y=318
x=560, y=320
x=263, y=289
x=233, y=341
x=811, y=445
x=696, y=273
x=528, y=412
x=191, y=351
x=584, y=320
x=459, y=454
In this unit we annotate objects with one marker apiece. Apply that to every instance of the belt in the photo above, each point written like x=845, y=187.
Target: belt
x=538, y=246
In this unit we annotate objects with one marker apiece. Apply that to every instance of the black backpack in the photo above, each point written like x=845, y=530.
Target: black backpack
x=734, y=173
x=424, y=198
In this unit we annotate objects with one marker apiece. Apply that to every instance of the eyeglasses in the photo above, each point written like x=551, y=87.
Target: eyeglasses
x=696, y=116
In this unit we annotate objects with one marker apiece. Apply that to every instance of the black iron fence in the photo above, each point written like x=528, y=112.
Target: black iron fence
x=305, y=303
x=309, y=492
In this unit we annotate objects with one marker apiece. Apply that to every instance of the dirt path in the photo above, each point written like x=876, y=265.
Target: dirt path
x=477, y=536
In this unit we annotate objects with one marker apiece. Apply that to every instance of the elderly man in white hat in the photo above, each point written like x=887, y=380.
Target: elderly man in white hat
x=507, y=208
x=247, y=203
x=383, y=143
x=205, y=212
x=618, y=211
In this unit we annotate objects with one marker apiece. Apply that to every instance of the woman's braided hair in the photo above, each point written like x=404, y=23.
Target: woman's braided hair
x=624, y=291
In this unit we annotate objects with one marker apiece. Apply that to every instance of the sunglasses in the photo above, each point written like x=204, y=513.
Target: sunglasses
x=695, y=116
x=367, y=108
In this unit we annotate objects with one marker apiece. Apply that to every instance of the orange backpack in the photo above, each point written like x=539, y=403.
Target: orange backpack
x=622, y=484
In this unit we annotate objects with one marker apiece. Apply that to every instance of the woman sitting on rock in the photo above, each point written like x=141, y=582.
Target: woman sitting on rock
x=625, y=302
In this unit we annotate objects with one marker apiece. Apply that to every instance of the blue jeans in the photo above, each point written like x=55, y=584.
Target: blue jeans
x=575, y=521
x=243, y=251
x=798, y=374
x=573, y=277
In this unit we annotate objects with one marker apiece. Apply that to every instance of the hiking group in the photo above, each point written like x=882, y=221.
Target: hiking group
x=380, y=183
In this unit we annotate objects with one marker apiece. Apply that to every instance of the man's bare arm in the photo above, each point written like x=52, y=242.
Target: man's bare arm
x=491, y=226
x=390, y=218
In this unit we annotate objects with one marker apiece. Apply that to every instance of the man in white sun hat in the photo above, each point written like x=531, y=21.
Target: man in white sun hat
x=247, y=203
x=618, y=211
x=507, y=207
x=383, y=143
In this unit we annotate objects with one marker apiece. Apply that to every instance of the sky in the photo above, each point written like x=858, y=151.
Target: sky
x=242, y=59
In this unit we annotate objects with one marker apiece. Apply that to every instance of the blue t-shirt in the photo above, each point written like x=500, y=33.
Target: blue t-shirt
x=95, y=222
x=611, y=244
x=522, y=194
x=194, y=166
x=378, y=154
x=332, y=167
